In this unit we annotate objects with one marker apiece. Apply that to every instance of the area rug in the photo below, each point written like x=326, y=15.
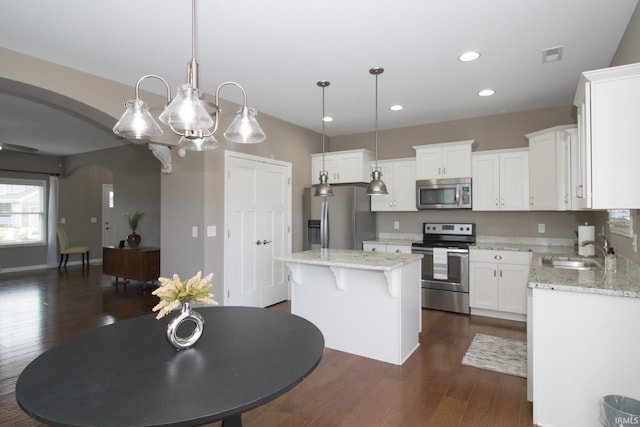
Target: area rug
x=497, y=354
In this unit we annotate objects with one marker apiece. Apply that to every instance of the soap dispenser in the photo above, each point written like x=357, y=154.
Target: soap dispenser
x=610, y=261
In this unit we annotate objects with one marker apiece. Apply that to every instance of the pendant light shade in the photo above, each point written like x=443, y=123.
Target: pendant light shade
x=376, y=187
x=323, y=189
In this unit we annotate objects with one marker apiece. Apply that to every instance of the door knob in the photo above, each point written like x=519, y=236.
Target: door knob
x=264, y=242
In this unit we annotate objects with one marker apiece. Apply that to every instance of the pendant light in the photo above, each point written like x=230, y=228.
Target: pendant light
x=186, y=115
x=323, y=189
x=376, y=186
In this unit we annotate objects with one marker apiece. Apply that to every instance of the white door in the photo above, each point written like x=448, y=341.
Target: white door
x=258, y=228
x=107, y=209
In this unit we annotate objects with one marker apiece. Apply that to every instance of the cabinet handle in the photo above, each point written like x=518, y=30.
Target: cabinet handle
x=531, y=201
x=390, y=203
x=579, y=194
x=502, y=201
x=264, y=242
x=500, y=273
x=258, y=242
x=498, y=257
x=497, y=203
x=439, y=171
x=494, y=273
x=395, y=203
x=444, y=170
x=397, y=251
x=373, y=249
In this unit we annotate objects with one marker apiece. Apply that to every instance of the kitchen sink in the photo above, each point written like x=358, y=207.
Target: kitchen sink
x=574, y=263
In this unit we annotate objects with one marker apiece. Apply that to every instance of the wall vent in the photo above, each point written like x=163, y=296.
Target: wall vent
x=552, y=54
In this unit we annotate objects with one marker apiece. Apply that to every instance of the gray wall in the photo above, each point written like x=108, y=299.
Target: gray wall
x=135, y=175
x=490, y=133
x=193, y=195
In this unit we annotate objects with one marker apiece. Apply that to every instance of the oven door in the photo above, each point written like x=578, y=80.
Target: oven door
x=457, y=270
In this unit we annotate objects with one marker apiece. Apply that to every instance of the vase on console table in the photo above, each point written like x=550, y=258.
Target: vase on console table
x=133, y=240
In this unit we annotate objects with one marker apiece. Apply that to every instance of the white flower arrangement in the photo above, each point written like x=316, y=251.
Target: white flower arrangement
x=175, y=292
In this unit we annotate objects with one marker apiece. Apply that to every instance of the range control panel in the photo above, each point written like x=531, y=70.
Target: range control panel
x=466, y=229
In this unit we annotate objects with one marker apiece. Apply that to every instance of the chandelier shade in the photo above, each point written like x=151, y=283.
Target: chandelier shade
x=244, y=129
x=186, y=113
x=137, y=122
x=198, y=144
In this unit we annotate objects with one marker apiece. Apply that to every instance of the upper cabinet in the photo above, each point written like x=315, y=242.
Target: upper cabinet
x=501, y=180
x=608, y=148
x=399, y=175
x=549, y=169
x=343, y=166
x=448, y=160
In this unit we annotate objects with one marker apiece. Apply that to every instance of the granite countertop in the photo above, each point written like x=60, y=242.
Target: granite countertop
x=381, y=261
x=387, y=241
x=625, y=282
x=402, y=239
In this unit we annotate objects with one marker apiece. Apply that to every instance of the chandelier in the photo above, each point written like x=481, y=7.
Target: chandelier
x=186, y=114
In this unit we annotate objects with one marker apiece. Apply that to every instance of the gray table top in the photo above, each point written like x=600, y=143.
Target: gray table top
x=127, y=374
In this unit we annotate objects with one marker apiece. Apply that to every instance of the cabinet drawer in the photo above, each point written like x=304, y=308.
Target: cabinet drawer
x=503, y=257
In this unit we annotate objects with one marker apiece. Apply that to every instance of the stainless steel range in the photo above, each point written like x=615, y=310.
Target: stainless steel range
x=445, y=266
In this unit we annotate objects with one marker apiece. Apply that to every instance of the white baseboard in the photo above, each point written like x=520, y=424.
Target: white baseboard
x=95, y=261
x=499, y=314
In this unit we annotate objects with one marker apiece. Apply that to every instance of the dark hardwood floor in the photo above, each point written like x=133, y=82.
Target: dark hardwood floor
x=39, y=309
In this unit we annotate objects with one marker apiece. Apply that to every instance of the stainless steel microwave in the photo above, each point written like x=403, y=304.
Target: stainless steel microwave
x=453, y=193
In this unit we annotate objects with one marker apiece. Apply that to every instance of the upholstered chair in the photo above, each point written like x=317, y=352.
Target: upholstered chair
x=66, y=250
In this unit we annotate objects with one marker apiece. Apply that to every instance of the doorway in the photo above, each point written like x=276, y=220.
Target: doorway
x=257, y=229
x=107, y=210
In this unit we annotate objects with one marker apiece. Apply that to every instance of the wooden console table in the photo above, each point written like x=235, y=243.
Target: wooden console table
x=141, y=264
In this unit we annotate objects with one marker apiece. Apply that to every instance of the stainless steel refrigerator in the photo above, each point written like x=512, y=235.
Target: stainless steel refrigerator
x=341, y=221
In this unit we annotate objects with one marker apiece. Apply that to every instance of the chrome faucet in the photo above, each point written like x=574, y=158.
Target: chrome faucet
x=604, y=248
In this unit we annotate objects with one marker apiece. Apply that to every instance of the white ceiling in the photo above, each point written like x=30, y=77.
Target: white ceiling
x=279, y=49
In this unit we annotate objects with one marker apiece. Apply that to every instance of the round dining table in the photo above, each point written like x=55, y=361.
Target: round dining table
x=127, y=374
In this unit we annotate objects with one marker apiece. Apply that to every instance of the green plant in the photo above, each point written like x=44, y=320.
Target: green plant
x=133, y=221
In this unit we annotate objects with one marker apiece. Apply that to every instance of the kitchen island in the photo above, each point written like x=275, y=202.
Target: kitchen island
x=583, y=341
x=365, y=303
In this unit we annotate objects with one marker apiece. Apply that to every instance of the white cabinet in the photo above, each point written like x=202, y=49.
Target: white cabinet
x=386, y=247
x=608, y=134
x=498, y=283
x=448, y=160
x=399, y=175
x=549, y=173
x=500, y=180
x=343, y=166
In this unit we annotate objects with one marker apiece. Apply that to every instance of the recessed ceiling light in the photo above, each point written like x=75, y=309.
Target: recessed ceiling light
x=469, y=56
x=396, y=107
x=327, y=119
x=486, y=92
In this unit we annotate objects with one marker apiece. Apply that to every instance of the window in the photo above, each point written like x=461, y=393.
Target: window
x=620, y=222
x=22, y=212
